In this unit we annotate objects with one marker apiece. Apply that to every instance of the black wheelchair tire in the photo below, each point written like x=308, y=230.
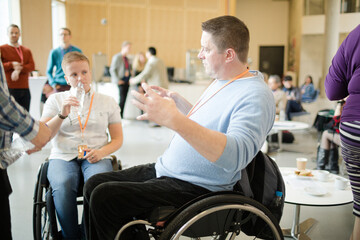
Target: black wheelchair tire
x=218, y=200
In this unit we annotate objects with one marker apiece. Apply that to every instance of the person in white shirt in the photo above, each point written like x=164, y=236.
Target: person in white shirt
x=79, y=142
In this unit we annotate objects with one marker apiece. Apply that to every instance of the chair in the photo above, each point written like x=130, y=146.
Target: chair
x=217, y=215
x=44, y=217
x=315, y=97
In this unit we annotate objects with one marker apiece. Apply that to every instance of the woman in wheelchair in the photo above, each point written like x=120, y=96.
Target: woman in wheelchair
x=80, y=145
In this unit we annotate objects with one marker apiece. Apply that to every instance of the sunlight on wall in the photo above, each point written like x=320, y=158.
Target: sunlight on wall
x=58, y=20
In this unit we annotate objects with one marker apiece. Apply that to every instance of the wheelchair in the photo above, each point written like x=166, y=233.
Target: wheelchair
x=44, y=216
x=218, y=215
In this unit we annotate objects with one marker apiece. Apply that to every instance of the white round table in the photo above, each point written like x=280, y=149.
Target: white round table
x=296, y=194
x=286, y=125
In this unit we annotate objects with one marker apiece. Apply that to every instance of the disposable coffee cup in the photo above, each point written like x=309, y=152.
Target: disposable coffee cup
x=301, y=163
x=323, y=175
x=341, y=183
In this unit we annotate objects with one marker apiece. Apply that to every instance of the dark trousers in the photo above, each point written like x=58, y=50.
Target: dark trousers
x=22, y=96
x=5, y=220
x=113, y=199
x=292, y=106
x=123, y=91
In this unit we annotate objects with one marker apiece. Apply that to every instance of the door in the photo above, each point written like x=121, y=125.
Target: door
x=272, y=60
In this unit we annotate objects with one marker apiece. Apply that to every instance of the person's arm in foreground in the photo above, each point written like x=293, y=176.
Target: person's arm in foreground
x=163, y=111
x=335, y=81
x=116, y=134
x=15, y=118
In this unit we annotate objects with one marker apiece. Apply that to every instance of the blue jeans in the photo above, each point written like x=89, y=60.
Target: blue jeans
x=64, y=178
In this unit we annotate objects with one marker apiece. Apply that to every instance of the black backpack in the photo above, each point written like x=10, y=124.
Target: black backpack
x=262, y=181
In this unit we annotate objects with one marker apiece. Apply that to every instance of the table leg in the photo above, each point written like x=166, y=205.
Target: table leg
x=279, y=133
x=298, y=231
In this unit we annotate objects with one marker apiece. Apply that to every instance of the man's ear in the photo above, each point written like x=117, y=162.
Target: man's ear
x=230, y=55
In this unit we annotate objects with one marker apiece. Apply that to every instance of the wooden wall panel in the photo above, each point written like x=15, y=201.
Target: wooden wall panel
x=36, y=30
x=172, y=27
x=88, y=33
x=130, y=2
x=212, y=5
x=127, y=23
x=193, y=27
x=169, y=38
x=167, y=3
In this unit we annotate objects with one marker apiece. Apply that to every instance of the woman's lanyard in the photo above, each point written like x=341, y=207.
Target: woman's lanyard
x=87, y=118
x=20, y=53
x=192, y=111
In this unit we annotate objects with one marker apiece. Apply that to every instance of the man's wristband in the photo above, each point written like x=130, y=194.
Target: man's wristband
x=62, y=116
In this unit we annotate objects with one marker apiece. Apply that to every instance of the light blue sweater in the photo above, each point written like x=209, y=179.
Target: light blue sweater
x=54, y=61
x=244, y=111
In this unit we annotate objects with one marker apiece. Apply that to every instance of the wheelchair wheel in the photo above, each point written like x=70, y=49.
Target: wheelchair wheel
x=41, y=221
x=235, y=211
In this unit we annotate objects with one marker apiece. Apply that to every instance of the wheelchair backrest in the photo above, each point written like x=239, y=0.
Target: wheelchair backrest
x=262, y=181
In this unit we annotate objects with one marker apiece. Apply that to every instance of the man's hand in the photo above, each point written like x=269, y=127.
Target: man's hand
x=41, y=139
x=15, y=75
x=157, y=107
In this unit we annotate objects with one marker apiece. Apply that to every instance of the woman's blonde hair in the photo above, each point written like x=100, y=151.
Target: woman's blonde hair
x=73, y=57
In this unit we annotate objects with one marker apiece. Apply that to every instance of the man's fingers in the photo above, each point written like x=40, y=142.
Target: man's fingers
x=138, y=104
x=142, y=117
x=148, y=90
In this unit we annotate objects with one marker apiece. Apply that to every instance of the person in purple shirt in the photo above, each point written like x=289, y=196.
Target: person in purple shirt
x=343, y=80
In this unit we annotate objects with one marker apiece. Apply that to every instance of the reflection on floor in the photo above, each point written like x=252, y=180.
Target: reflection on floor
x=144, y=144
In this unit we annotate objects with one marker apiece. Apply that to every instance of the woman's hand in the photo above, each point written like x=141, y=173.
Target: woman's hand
x=67, y=103
x=93, y=155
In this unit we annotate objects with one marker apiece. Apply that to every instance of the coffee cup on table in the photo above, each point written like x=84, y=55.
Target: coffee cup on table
x=301, y=163
x=341, y=183
x=323, y=175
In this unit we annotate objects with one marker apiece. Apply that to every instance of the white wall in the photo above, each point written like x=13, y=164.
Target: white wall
x=268, y=23
x=312, y=56
x=316, y=24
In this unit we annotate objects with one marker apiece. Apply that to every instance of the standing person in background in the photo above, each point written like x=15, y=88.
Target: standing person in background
x=120, y=71
x=56, y=80
x=307, y=89
x=343, y=80
x=18, y=63
x=154, y=73
x=293, y=96
x=138, y=63
x=13, y=118
x=138, y=66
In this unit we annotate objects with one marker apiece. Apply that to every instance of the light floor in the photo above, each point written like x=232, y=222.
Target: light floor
x=144, y=144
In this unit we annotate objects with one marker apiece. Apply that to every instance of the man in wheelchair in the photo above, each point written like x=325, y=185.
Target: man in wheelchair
x=214, y=139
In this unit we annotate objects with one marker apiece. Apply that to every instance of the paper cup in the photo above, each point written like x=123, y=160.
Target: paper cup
x=301, y=163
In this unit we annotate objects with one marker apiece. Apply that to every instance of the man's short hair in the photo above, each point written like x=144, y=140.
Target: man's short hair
x=13, y=26
x=276, y=78
x=152, y=51
x=229, y=32
x=125, y=43
x=66, y=29
x=73, y=57
x=288, y=78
